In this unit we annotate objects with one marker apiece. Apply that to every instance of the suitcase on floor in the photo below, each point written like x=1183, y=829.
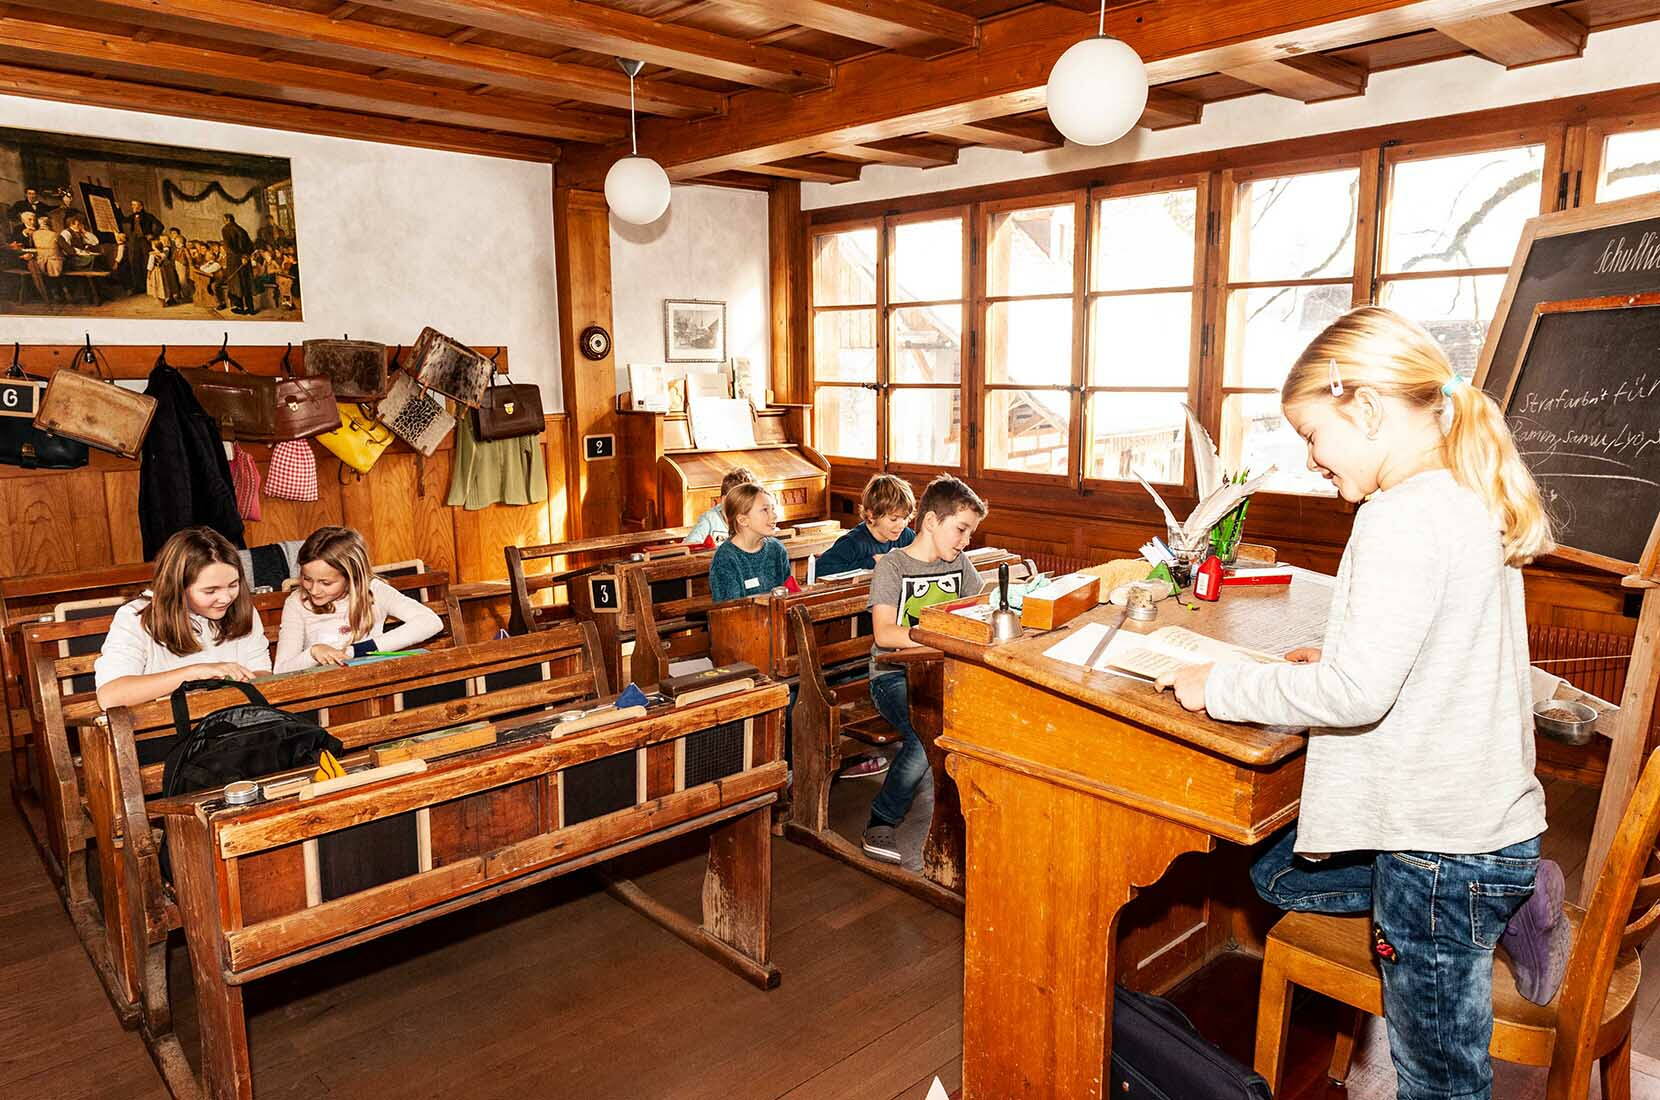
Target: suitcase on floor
x=1157, y=1054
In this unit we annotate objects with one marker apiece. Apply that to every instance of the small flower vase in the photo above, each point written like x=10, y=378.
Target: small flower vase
x=1228, y=533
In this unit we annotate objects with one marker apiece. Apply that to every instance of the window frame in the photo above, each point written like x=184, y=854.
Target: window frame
x=1597, y=132
x=889, y=241
x=1199, y=328
x=876, y=462
x=1078, y=197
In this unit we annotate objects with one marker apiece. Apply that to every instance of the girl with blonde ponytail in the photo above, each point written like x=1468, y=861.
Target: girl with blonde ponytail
x=1419, y=803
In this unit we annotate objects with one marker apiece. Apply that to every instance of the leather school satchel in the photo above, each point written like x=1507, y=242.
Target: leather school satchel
x=414, y=415
x=23, y=444
x=258, y=408
x=356, y=368
x=508, y=411
x=450, y=367
x=96, y=411
x=360, y=438
x=1157, y=1054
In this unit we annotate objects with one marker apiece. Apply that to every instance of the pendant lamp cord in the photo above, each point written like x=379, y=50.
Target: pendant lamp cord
x=1101, y=27
x=633, y=138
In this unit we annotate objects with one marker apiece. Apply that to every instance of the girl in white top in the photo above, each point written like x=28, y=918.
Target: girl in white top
x=340, y=608
x=1419, y=803
x=197, y=622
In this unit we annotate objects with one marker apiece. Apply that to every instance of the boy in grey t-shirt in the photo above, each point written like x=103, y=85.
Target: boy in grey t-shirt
x=933, y=569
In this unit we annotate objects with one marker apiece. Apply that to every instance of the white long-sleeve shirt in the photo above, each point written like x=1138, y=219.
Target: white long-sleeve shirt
x=303, y=628
x=129, y=650
x=1421, y=727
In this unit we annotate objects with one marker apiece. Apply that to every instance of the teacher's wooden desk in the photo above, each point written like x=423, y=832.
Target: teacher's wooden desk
x=1079, y=789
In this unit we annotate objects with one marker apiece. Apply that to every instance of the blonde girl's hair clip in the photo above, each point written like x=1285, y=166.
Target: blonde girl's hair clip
x=1336, y=379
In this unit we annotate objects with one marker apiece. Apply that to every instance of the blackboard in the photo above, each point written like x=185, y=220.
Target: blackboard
x=1585, y=412
x=1604, y=250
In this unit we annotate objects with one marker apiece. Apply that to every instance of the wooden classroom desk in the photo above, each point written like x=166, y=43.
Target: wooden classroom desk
x=1078, y=790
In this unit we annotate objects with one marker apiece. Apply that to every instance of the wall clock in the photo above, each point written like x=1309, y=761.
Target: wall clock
x=596, y=342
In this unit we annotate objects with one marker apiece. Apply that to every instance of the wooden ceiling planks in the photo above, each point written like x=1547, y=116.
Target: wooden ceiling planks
x=1520, y=38
x=913, y=27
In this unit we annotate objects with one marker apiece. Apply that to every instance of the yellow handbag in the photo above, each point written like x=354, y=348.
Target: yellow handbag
x=360, y=439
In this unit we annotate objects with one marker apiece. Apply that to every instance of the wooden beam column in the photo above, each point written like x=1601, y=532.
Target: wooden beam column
x=582, y=251
x=787, y=263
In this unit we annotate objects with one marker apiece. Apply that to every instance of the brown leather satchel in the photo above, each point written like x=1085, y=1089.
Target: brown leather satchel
x=450, y=367
x=508, y=411
x=95, y=411
x=356, y=367
x=256, y=408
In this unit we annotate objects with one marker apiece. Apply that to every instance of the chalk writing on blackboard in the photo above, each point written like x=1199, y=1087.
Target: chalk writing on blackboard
x=1585, y=414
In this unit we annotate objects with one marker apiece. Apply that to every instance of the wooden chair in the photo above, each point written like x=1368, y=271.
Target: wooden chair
x=126, y=922
x=1590, y=1019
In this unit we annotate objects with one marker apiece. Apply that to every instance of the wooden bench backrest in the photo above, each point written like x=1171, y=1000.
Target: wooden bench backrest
x=398, y=698
x=566, y=561
x=670, y=599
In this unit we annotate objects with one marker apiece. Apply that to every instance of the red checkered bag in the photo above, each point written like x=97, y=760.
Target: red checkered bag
x=245, y=480
x=292, y=473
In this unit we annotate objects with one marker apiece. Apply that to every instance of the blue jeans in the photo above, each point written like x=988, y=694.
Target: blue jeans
x=892, y=697
x=1436, y=919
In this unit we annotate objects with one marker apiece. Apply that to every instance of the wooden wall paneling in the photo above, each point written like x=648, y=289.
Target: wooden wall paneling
x=481, y=535
x=582, y=252
x=121, y=515
x=53, y=522
x=787, y=271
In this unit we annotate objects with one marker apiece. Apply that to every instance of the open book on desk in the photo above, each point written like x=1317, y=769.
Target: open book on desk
x=1156, y=656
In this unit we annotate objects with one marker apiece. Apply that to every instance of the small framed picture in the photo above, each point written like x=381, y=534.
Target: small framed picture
x=694, y=331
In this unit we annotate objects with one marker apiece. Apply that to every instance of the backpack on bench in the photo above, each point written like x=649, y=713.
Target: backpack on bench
x=240, y=742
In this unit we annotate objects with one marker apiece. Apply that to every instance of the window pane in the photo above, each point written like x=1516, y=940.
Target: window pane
x=926, y=344
x=925, y=426
x=927, y=263
x=1030, y=251
x=1630, y=165
x=1132, y=433
x=1030, y=342
x=1145, y=240
x=1454, y=310
x=1255, y=436
x=844, y=346
x=1296, y=227
x=1028, y=430
x=1140, y=340
x=844, y=421
x=1463, y=211
x=1268, y=327
x=844, y=268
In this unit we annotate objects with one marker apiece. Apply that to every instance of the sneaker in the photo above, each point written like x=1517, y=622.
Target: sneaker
x=1538, y=940
x=865, y=767
x=880, y=842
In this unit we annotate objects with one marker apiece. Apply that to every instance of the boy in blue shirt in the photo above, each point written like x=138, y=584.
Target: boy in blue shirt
x=887, y=507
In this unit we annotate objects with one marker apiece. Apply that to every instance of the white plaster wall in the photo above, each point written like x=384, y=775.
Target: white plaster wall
x=391, y=238
x=1614, y=58
x=711, y=244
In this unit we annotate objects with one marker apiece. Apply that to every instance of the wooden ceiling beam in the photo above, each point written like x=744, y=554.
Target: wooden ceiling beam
x=1311, y=79
x=748, y=181
x=38, y=43
x=1020, y=135
x=308, y=33
x=126, y=95
x=904, y=152
x=1521, y=37
x=810, y=169
x=883, y=95
x=913, y=27
x=1167, y=109
x=624, y=34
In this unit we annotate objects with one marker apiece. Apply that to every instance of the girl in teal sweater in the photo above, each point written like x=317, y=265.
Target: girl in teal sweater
x=751, y=562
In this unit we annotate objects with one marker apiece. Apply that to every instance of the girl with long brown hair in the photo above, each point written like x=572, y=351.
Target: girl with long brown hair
x=340, y=608
x=197, y=622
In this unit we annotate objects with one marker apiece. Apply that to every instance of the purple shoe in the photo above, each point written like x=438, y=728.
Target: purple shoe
x=1538, y=940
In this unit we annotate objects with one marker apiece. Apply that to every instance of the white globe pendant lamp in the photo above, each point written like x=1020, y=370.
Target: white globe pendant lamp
x=636, y=187
x=1098, y=89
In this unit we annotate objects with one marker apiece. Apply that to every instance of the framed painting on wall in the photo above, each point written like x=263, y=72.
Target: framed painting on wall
x=97, y=227
x=694, y=331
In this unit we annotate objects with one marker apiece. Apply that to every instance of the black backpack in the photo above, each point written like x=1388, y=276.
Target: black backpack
x=1157, y=1054
x=242, y=742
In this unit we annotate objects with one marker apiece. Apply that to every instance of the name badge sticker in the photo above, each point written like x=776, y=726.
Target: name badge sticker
x=752, y=582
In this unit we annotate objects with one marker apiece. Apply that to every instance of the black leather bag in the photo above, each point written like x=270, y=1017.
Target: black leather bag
x=241, y=742
x=23, y=444
x=1157, y=1054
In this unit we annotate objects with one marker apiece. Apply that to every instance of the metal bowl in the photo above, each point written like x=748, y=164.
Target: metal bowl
x=1565, y=720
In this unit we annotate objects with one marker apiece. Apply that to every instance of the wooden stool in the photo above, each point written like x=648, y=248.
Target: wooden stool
x=1590, y=1019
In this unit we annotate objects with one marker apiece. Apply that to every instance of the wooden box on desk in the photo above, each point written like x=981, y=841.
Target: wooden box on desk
x=1059, y=602
x=968, y=619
